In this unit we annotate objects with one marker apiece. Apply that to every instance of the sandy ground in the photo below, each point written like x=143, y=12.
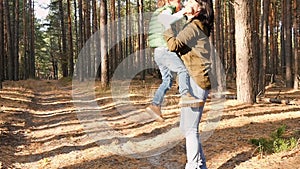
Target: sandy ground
x=43, y=126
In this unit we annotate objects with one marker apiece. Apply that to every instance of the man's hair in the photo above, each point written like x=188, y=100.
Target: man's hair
x=206, y=15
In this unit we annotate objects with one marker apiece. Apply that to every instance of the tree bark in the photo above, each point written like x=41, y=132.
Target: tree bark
x=70, y=37
x=272, y=39
x=141, y=37
x=1, y=44
x=288, y=44
x=103, y=41
x=64, y=56
x=265, y=47
x=113, y=37
x=25, y=42
x=245, y=57
x=10, y=41
x=94, y=58
x=119, y=44
x=87, y=34
x=256, y=40
x=16, y=40
x=81, y=41
x=232, y=41
x=296, y=25
x=32, y=37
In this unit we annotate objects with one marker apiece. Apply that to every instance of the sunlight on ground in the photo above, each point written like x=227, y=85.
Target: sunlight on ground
x=47, y=129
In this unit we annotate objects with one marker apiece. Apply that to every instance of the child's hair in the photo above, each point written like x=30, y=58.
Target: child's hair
x=161, y=3
x=206, y=15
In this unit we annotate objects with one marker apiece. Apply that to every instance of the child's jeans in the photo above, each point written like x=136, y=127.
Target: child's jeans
x=168, y=62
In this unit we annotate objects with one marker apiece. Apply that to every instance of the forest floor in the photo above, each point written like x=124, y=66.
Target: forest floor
x=40, y=127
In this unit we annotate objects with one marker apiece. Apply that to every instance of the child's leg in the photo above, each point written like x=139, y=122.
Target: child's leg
x=159, y=56
x=175, y=64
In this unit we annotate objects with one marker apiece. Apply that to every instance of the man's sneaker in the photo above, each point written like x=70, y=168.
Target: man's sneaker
x=155, y=112
x=187, y=100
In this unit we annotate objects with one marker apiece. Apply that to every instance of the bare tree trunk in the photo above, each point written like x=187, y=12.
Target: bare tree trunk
x=245, y=57
x=265, y=47
x=87, y=22
x=32, y=37
x=70, y=37
x=276, y=37
x=141, y=36
x=1, y=44
x=76, y=29
x=119, y=45
x=296, y=25
x=103, y=41
x=128, y=34
x=81, y=41
x=272, y=38
x=221, y=33
x=217, y=28
x=16, y=45
x=282, y=37
x=64, y=57
x=113, y=37
x=288, y=44
x=10, y=41
x=232, y=40
x=25, y=42
x=256, y=40
x=94, y=58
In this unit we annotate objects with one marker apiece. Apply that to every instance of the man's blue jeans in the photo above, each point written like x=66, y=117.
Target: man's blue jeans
x=189, y=125
x=168, y=62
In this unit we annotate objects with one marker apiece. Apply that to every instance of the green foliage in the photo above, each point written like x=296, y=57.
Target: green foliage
x=279, y=132
x=277, y=143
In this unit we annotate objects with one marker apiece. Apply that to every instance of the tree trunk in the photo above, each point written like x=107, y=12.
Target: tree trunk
x=218, y=18
x=141, y=37
x=70, y=37
x=76, y=29
x=10, y=41
x=232, y=41
x=32, y=37
x=282, y=37
x=16, y=45
x=94, y=57
x=276, y=38
x=128, y=35
x=296, y=25
x=265, y=47
x=81, y=42
x=288, y=44
x=113, y=37
x=103, y=41
x=25, y=42
x=64, y=56
x=221, y=34
x=256, y=40
x=119, y=44
x=272, y=39
x=1, y=44
x=245, y=57
x=87, y=35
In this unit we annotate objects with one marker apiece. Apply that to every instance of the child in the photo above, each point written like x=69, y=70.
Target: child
x=167, y=61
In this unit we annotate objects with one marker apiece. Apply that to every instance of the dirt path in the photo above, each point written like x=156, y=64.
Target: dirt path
x=41, y=128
